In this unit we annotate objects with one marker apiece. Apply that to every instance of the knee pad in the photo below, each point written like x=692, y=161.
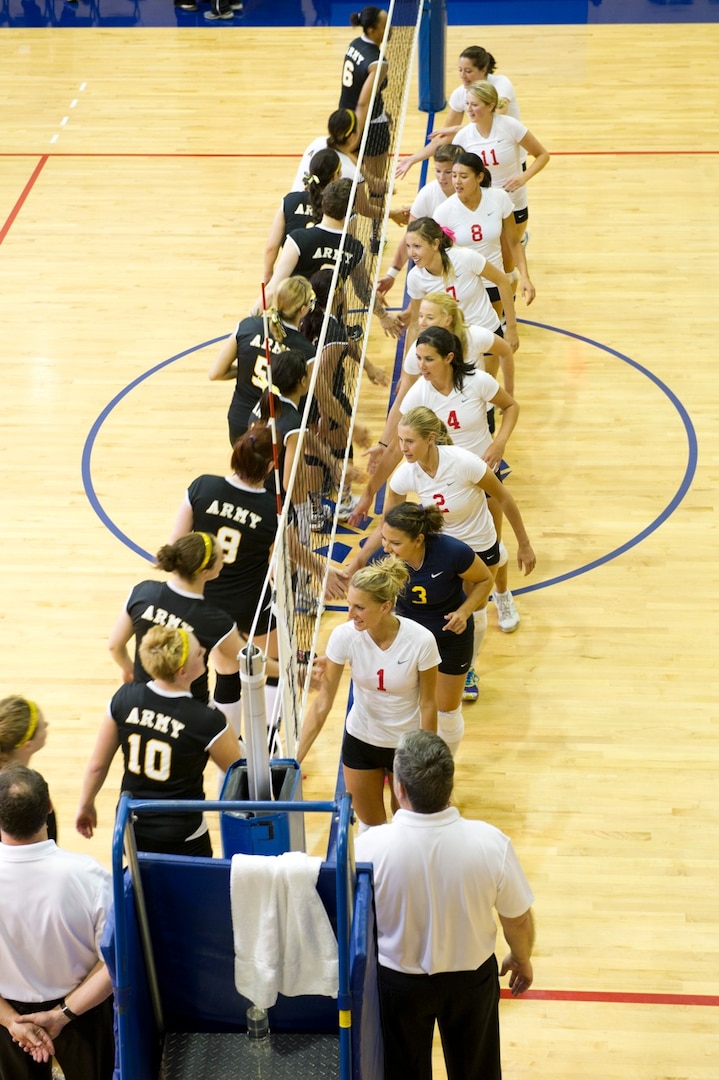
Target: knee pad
x=450, y=727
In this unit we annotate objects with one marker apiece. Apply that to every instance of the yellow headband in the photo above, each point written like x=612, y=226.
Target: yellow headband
x=207, y=539
x=353, y=121
x=32, y=724
x=185, y=647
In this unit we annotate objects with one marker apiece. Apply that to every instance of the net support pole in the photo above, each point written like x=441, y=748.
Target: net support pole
x=432, y=56
x=252, y=677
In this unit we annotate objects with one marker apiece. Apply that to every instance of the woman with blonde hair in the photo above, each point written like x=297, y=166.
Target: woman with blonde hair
x=457, y=482
x=475, y=64
x=242, y=354
x=167, y=737
x=393, y=661
x=23, y=731
x=499, y=140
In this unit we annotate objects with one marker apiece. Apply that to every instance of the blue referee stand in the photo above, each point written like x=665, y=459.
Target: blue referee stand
x=432, y=55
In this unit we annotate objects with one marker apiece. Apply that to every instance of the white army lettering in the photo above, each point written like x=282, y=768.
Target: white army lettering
x=166, y=725
x=164, y=618
x=333, y=254
x=258, y=342
x=354, y=54
x=234, y=513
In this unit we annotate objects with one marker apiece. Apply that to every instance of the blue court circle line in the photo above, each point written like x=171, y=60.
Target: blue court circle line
x=689, y=472
x=91, y=439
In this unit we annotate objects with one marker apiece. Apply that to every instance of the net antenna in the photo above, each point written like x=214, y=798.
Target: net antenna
x=302, y=559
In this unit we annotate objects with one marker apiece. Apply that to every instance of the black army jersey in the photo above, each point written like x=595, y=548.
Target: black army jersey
x=251, y=366
x=244, y=520
x=158, y=603
x=165, y=741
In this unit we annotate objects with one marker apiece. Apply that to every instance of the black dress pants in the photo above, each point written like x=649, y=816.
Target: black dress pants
x=464, y=1004
x=85, y=1048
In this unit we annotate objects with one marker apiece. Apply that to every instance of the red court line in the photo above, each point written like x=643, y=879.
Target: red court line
x=611, y=997
x=25, y=192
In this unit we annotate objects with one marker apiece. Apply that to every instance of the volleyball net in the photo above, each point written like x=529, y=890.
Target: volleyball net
x=307, y=553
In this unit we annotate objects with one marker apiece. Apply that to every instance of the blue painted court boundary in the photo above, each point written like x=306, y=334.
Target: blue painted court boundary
x=674, y=502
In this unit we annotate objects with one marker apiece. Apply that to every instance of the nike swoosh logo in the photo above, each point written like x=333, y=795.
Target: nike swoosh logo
x=403, y=661
x=437, y=574
x=465, y=665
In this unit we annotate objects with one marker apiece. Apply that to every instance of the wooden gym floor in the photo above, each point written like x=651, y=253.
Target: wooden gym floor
x=139, y=174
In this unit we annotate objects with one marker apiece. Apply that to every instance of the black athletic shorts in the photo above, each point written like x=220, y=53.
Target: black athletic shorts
x=361, y=755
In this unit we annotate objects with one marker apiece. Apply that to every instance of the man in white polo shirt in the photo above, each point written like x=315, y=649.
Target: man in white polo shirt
x=54, y=987
x=438, y=880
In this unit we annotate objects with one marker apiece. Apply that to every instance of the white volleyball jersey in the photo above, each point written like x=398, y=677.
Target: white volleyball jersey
x=385, y=681
x=454, y=490
x=428, y=199
x=479, y=229
x=463, y=411
x=500, y=151
x=464, y=283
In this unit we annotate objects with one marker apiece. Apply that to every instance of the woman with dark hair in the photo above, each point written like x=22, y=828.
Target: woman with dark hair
x=343, y=136
x=300, y=209
x=448, y=582
x=481, y=349
x=393, y=661
x=167, y=737
x=192, y=561
x=242, y=356
x=481, y=217
x=308, y=250
x=361, y=61
x=242, y=513
x=460, y=396
x=475, y=64
x=438, y=264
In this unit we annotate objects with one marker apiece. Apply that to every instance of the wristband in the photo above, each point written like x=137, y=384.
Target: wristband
x=392, y=271
x=67, y=1011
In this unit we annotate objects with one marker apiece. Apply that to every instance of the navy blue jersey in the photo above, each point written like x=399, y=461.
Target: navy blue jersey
x=436, y=588
x=157, y=603
x=251, y=367
x=245, y=522
x=165, y=740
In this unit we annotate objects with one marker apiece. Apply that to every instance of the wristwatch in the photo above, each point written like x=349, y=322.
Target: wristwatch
x=67, y=1011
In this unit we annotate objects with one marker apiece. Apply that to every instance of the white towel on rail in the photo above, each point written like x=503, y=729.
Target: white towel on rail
x=283, y=938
